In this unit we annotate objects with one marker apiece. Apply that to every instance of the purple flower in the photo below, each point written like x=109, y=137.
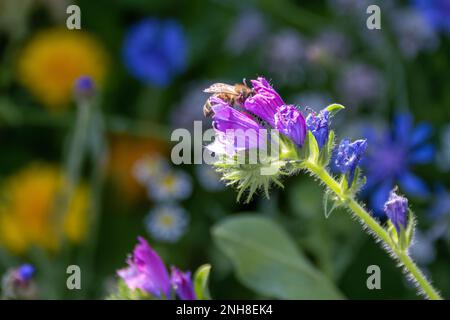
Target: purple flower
x=414, y=33
x=348, y=157
x=235, y=130
x=182, y=283
x=396, y=208
x=436, y=12
x=146, y=271
x=265, y=102
x=290, y=122
x=360, y=84
x=248, y=31
x=390, y=158
x=154, y=51
x=318, y=125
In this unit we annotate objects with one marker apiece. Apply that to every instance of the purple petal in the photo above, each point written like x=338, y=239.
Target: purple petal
x=182, y=283
x=290, y=122
x=235, y=130
x=148, y=262
x=265, y=102
x=225, y=117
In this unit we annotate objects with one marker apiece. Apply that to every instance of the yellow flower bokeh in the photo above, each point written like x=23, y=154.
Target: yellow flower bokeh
x=51, y=62
x=125, y=151
x=27, y=215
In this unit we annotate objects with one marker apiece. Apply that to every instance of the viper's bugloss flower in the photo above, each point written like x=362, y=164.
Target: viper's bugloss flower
x=265, y=102
x=256, y=127
x=182, y=283
x=51, y=62
x=437, y=13
x=146, y=271
x=390, y=158
x=319, y=126
x=290, y=122
x=348, y=157
x=167, y=222
x=236, y=131
x=154, y=51
x=396, y=208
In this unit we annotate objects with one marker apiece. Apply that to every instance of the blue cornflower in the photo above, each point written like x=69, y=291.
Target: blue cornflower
x=390, y=158
x=436, y=12
x=318, y=125
x=154, y=51
x=348, y=157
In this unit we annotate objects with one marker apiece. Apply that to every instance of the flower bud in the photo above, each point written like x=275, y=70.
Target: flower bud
x=396, y=208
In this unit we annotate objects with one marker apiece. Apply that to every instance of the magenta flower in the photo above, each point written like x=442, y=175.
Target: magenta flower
x=235, y=130
x=182, y=283
x=265, y=102
x=146, y=271
x=290, y=122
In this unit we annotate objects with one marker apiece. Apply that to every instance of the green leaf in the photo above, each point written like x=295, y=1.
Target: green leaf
x=334, y=108
x=327, y=149
x=313, y=148
x=123, y=292
x=329, y=204
x=266, y=260
x=201, y=278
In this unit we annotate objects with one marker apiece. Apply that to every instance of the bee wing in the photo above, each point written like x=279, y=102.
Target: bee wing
x=221, y=88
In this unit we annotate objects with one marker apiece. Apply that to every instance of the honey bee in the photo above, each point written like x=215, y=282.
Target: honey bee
x=228, y=93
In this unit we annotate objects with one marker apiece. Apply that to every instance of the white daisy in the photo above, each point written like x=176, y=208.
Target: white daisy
x=148, y=168
x=167, y=222
x=171, y=185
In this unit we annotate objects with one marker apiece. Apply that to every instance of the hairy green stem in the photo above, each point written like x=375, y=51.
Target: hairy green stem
x=368, y=221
